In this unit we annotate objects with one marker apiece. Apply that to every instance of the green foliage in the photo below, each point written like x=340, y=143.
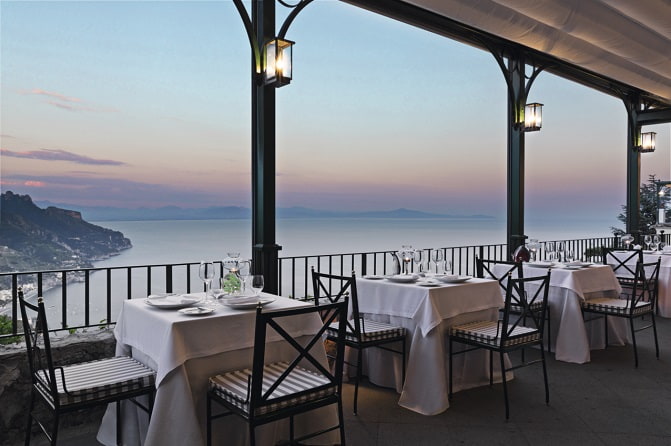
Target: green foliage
x=648, y=218
x=6, y=328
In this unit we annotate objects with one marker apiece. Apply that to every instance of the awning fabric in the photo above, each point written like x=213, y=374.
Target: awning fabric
x=625, y=40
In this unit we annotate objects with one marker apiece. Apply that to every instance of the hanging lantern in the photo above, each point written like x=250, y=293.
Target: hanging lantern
x=647, y=142
x=277, y=58
x=533, y=117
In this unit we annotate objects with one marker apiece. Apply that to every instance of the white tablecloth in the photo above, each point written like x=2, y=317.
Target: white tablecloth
x=664, y=296
x=572, y=338
x=427, y=314
x=185, y=351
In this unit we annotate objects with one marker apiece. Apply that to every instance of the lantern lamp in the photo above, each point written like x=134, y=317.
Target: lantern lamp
x=647, y=142
x=533, y=117
x=277, y=59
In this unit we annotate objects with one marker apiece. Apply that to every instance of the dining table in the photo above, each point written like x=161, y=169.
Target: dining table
x=427, y=311
x=185, y=349
x=664, y=280
x=573, y=338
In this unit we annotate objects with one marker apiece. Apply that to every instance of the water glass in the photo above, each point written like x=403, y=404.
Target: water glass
x=656, y=241
x=206, y=274
x=569, y=256
x=437, y=257
x=550, y=250
x=648, y=240
x=448, y=266
x=533, y=248
x=417, y=258
x=560, y=250
x=256, y=283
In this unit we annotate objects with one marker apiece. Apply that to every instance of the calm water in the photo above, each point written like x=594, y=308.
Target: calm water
x=160, y=242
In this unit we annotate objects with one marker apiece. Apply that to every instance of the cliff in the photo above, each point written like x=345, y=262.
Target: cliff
x=32, y=238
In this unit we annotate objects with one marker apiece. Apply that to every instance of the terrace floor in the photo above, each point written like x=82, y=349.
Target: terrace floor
x=605, y=402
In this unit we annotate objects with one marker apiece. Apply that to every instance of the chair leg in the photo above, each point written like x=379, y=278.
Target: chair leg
x=505, y=386
x=252, y=435
x=491, y=368
x=545, y=376
x=209, y=420
x=54, y=432
x=119, y=435
x=29, y=424
x=359, y=361
x=633, y=341
x=449, y=393
x=654, y=330
x=403, y=359
x=549, y=331
x=605, y=327
x=341, y=423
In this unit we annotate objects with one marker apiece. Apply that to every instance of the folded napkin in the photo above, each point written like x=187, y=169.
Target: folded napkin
x=574, y=263
x=637, y=247
x=667, y=248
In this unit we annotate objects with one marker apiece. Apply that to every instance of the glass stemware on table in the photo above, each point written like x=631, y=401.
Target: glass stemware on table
x=533, y=249
x=656, y=240
x=550, y=249
x=256, y=284
x=420, y=260
x=406, y=256
x=560, y=251
x=647, y=240
x=437, y=261
x=206, y=274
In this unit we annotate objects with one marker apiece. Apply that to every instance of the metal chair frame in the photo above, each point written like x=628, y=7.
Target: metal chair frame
x=483, y=268
x=355, y=325
x=257, y=398
x=505, y=333
x=641, y=289
x=43, y=377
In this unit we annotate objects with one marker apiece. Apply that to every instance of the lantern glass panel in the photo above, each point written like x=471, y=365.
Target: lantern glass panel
x=648, y=141
x=533, y=116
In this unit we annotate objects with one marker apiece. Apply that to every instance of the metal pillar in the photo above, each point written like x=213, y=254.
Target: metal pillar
x=514, y=72
x=264, y=247
x=516, y=101
x=633, y=168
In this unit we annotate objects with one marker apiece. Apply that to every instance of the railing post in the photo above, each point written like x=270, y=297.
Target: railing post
x=64, y=299
x=364, y=269
x=168, y=279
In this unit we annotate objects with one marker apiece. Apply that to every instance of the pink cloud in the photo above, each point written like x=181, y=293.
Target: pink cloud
x=34, y=184
x=60, y=155
x=58, y=96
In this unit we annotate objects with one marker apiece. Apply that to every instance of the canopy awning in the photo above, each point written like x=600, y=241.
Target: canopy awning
x=607, y=44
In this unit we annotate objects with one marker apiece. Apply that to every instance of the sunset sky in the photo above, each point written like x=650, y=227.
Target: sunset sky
x=134, y=104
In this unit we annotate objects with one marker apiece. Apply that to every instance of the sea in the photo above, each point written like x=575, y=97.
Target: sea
x=181, y=241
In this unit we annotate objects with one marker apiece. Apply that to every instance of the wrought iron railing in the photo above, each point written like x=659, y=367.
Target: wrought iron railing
x=92, y=297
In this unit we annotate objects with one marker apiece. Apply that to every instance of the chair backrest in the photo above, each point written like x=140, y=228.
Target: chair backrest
x=262, y=388
x=645, y=286
x=522, y=296
x=36, y=334
x=498, y=270
x=622, y=262
x=336, y=288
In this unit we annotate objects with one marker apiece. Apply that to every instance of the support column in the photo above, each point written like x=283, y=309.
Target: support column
x=516, y=101
x=633, y=169
x=264, y=247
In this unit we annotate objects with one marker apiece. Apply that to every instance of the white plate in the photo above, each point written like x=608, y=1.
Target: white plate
x=541, y=264
x=244, y=303
x=172, y=301
x=428, y=284
x=373, y=277
x=402, y=278
x=196, y=311
x=458, y=279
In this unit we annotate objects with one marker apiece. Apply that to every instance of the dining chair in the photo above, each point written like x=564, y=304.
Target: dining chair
x=72, y=387
x=623, y=263
x=507, y=334
x=268, y=392
x=360, y=333
x=635, y=302
x=485, y=268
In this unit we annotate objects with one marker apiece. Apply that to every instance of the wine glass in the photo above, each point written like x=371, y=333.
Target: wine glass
x=448, y=266
x=569, y=256
x=560, y=250
x=656, y=241
x=550, y=250
x=206, y=274
x=256, y=282
x=406, y=257
x=533, y=248
x=437, y=257
x=417, y=258
x=648, y=240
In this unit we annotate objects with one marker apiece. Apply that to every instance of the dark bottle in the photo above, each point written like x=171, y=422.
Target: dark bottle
x=521, y=254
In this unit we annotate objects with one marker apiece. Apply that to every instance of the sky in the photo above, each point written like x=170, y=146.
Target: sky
x=147, y=104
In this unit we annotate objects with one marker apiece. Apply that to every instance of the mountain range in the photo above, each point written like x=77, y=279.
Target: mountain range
x=102, y=213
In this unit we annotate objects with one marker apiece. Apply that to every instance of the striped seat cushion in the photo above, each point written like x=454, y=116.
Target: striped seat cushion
x=233, y=387
x=94, y=380
x=616, y=306
x=371, y=331
x=485, y=332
